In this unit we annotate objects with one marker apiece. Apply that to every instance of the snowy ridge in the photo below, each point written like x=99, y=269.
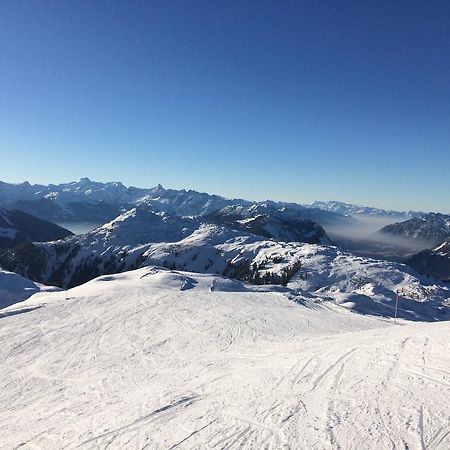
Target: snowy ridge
x=444, y=248
x=186, y=202
x=132, y=240
x=433, y=263
x=113, y=247
x=164, y=359
x=357, y=210
x=140, y=237
x=139, y=226
x=370, y=286
x=432, y=228
x=81, y=190
x=271, y=221
x=86, y=200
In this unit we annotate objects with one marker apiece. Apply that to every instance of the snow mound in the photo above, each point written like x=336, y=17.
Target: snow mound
x=15, y=288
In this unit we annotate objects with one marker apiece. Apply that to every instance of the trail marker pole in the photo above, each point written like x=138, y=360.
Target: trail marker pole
x=396, y=308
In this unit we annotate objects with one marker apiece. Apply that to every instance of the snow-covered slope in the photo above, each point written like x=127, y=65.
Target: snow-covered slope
x=186, y=202
x=17, y=226
x=113, y=247
x=138, y=226
x=357, y=210
x=434, y=263
x=268, y=220
x=443, y=248
x=159, y=359
x=431, y=228
x=366, y=285
x=141, y=237
x=15, y=288
x=369, y=286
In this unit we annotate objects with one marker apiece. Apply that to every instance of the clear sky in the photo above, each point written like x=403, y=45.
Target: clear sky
x=289, y=100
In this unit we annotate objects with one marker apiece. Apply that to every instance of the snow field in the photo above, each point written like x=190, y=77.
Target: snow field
x=162, y=359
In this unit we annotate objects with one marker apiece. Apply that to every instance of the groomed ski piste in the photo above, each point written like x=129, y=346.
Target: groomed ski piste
x=160, y=359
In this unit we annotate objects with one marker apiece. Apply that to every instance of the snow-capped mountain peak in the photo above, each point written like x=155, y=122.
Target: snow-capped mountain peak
x=86, y=200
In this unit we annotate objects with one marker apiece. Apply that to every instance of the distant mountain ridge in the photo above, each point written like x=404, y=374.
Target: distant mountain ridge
x=358, y=210
x=17, y=227
x=90, y=201
x=432, y=227
x=71, y=200
x=267, y=220
x=78, y=201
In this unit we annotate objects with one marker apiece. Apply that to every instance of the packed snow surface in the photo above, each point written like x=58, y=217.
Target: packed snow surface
x=161, y=359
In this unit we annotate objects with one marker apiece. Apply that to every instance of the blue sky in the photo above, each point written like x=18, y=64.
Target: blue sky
x=291, y=100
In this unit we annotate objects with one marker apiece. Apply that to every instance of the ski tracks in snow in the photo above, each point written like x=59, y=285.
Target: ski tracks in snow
x=170, y=369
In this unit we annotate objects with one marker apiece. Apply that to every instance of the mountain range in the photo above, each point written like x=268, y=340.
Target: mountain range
x=90, y=201
x=271, y=221
x=141, y=237
x=140, y=222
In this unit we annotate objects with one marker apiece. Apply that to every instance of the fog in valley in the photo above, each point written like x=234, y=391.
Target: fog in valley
x=365, y=239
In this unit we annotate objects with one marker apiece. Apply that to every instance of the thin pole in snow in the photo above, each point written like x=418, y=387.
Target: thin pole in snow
x=396, y=308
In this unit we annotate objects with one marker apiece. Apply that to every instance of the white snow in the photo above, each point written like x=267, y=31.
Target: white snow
x=15, y=288
x=160, y=360
x=370, y=285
